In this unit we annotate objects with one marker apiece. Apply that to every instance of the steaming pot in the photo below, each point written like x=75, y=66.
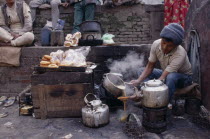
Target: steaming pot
x=95, y=114
x=114, y=84
x=155, y=94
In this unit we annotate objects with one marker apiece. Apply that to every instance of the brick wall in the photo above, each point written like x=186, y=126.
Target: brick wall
x=137, y=24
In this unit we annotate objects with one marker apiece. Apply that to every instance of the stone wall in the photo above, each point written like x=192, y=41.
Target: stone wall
x=198, y=19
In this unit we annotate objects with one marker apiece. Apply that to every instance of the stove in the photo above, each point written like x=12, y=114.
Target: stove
x=155, y=119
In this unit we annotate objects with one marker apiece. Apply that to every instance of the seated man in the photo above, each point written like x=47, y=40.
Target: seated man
x=15, y=24
x=174, y=62
x=84, y=10
x=54, y=11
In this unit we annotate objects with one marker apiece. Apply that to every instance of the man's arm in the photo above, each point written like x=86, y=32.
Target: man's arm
x=147, y=71
x=164, y=75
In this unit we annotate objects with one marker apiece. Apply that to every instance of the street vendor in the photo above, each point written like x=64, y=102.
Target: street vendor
x=54, y=8
x=175, y=66
x=84, y=10
x=15, y=24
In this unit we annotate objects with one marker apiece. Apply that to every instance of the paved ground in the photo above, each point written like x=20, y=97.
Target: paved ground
x=26, y=127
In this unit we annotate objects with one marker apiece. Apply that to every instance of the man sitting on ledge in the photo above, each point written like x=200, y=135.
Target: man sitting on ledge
x=15, y=24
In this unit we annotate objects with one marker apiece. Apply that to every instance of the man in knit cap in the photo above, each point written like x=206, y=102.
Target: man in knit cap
x=175, y=66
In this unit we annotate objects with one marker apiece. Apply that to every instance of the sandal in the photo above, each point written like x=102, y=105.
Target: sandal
x=2, y=115
x=9, y=102
x=3, y=98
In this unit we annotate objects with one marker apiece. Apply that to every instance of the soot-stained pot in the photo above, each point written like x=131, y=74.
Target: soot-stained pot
x=113, y=83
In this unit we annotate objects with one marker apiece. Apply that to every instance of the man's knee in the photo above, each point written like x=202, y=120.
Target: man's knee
x=55, y=3
x=30, y=36
x=171, y=76
x=34, y=4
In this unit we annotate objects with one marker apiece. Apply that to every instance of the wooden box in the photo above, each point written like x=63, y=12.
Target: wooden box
x=60, y=93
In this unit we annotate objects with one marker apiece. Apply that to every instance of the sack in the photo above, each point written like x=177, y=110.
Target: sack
x=10, y=56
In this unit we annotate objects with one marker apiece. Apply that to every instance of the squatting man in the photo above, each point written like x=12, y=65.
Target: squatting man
x=175, y=66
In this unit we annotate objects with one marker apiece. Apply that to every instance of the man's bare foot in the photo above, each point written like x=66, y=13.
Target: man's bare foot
x=5, y=44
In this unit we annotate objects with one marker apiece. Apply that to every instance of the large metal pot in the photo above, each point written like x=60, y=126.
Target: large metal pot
x=155, y=94
x=90, y=26
x=114, y=84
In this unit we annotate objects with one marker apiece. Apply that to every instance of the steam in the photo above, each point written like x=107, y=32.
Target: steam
x=127, y=66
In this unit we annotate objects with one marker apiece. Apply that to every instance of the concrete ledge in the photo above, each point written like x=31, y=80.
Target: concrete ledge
x=14, y=79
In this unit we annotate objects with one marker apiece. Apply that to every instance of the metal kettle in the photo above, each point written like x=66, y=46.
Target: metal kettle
x=155, y=94
x=95, y=113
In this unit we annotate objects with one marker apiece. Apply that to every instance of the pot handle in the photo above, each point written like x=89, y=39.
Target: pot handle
x=87, y=38
x=138, y=121
x=86, y=100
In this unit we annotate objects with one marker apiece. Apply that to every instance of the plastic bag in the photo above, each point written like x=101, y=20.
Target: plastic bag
x=108, y=38
x=57, y=57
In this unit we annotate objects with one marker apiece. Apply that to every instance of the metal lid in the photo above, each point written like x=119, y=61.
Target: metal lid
x=96, y=103
x=154, y=83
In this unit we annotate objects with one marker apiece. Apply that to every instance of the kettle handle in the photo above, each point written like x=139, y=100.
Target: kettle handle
x=134, y=116
x=86, y=100
x=88, y=36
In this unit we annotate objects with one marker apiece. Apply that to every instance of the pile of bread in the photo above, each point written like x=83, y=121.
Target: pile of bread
x=73, y=58
x=46, y=62
x=72, y=39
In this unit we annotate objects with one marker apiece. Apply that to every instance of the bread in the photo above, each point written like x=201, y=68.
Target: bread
x=52, y=66
x=44, y=59
x=47, y=57
x=41, y=65
x=45, y=62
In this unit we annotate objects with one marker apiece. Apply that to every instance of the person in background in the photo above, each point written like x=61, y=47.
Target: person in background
x=175, y=11
x=175, y=66
x=15, y=24
x=84, y=10
x=54, y=8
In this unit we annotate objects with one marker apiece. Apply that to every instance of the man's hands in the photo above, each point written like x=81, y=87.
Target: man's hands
x=136, y=96
x=65, y=4
x=15, y=35
x=135, y=82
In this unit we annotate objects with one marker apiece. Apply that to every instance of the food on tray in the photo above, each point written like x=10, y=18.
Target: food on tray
x=41, y=65
x=52, y=66
x=47, y=57
x=45, y=63
x=71, y=57
x=44, y=59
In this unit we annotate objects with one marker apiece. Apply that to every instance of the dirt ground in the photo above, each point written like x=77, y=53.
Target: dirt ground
x=26, y=127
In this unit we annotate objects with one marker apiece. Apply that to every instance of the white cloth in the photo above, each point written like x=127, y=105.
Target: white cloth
x=25, y=39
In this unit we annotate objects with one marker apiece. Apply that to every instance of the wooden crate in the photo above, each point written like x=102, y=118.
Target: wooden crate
x=51, y=101
x=60, y=93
